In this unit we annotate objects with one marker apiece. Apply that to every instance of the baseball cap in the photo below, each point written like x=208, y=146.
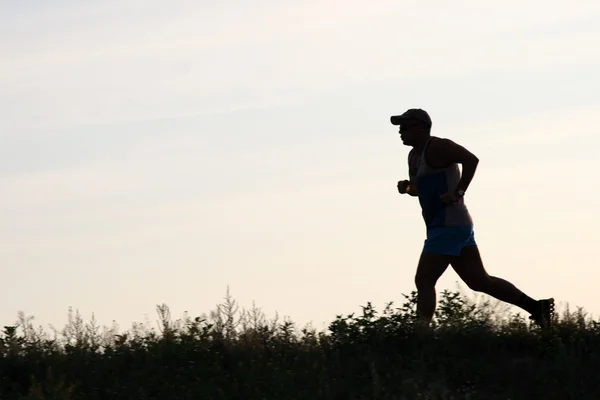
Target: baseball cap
x=412, y=114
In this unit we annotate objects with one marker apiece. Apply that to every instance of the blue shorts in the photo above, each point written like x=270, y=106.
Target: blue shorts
x=449, y=240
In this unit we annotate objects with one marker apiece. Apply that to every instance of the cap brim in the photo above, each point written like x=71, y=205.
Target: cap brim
x=398, y=119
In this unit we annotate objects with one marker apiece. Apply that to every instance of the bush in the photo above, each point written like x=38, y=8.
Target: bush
x=233, y=354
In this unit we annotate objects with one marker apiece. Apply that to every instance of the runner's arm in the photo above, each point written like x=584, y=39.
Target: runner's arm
x=450, y=152
x=413, y=190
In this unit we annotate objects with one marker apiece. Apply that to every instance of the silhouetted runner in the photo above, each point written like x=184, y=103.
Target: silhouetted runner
x=435, y=178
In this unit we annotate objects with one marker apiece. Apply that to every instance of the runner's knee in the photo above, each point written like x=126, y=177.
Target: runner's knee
x=479, y=284
x=423, y=282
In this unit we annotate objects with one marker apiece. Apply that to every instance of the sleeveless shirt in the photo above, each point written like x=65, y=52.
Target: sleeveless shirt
x=431, y=184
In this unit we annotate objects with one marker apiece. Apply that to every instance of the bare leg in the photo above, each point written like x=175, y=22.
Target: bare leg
x=431, y=267
x=471, y=270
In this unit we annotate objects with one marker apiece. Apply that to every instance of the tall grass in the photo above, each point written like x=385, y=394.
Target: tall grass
x=470, y=353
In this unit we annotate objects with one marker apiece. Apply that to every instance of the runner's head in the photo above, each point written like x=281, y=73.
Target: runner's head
x=414, y=126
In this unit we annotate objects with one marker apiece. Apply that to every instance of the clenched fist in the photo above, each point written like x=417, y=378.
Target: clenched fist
x=403, y=186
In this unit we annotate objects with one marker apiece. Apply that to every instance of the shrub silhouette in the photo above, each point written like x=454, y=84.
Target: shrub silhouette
x=240, y=354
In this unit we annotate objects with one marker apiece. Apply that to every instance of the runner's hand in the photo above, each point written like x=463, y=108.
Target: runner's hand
x=403, y=186
x=449, y=198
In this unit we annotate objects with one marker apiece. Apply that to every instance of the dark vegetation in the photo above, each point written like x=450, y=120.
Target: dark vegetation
x=475, y=351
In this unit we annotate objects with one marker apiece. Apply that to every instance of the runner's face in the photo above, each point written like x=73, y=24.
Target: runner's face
x=410, y=132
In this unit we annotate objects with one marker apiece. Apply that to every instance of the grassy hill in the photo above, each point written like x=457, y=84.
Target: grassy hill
x=233, y=354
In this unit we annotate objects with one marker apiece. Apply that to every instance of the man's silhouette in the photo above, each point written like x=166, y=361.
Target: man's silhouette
x=435, y=178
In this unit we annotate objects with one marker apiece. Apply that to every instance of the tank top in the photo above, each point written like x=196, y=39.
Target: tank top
x=431, y=184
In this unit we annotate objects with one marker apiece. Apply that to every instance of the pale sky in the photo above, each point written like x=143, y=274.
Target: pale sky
x=156, y=152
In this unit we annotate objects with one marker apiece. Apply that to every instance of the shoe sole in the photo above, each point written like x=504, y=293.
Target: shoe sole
x=545, y=319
